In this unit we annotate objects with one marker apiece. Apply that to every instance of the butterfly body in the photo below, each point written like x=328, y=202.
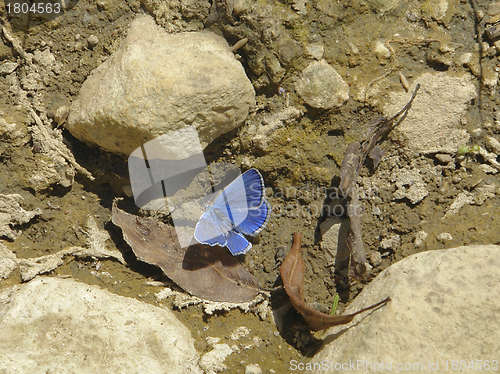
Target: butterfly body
x=240, y=209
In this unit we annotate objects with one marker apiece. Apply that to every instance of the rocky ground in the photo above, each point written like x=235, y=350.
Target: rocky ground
x=321, y=71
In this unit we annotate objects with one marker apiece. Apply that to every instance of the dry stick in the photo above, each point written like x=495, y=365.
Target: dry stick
x=355, y=156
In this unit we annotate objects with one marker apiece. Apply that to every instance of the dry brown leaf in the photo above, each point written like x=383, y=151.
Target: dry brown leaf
x=292, y=274
x=208, y=272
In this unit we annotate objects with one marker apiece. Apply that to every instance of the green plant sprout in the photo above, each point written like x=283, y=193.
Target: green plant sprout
x=464, y=150
x=335, y=303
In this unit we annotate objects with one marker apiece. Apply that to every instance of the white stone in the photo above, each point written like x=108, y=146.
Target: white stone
x=239, y=332
x=375, y=258
x=253, y=369
x=493, y=144
x=320, y=86
x=439, y=297
x=487, y=169
x=158, y=82
x=92, y=41
x=490, y=157
x=462, y=199
x=241, y=6
x=391, y=241
x=410, y=185
x=444, y=237
x=483, y=192
x=335, y=251
x=8, y=261
x=465, y=58
x=5, y=127
x=477, y=132
x=420, y=238
x=8, y=67
x=316, y=50
x=12, y=214
x=383, y=6
x=381, y=51
x=213, y=361
x=432, y=124
x=60, y=325
x=443, y=157
x=438, y=9
x=300, y=6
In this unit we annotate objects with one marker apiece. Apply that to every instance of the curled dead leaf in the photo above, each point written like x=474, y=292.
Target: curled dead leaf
x=208, y=272
x=292, y=273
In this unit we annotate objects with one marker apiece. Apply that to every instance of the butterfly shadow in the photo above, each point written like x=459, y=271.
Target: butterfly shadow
x=200, y=256
x=207, y=272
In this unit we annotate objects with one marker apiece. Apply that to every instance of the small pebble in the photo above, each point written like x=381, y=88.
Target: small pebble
x=92, y=41
x=315, y=51
x=476, y=132
x=61, y=114
x=101, y=4
x=240, y=6
x=420, y=238
x=375, y=258
x=444, y=158
x=127, y=190
x=493, y=144
x=239, y=332
x=465, y=58
x=404, y=81
x=390, y=242
x=253, y=369
x=8, y=67
x=444, y=237
x=381, y=51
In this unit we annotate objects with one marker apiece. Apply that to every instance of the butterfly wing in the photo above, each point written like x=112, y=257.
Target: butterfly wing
x=211, y=230
x=256, y=220
x=237, y=243
x=246, y=191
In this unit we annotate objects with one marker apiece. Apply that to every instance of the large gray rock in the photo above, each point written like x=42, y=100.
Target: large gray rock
x=63, y=326
x=443, y=307
x=433, y=123
x=158, y=82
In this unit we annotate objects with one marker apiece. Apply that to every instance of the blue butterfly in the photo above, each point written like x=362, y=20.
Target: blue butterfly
x=239, y=209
